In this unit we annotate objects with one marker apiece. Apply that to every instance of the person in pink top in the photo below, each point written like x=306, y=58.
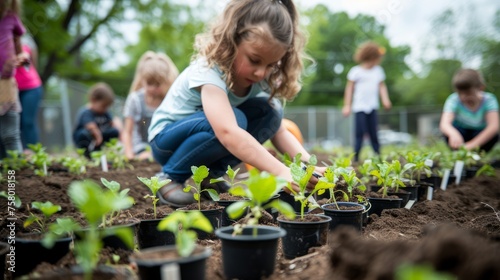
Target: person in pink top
x=11, y=29
x=30, y=95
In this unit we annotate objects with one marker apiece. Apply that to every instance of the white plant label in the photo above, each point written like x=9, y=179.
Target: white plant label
x=429, y=162
x=44, y=168
x=409, y=204
x=446, y=177
x=476, y=157
x=170, y=271
x=104, y=163
x=457, y=171
x=429, y=192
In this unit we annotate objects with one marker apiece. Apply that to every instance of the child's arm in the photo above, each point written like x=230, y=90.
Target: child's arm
x=127, y=137
x=285, y=142
x=455, y=139
x=349, y=89
x=236, y=140
x=384, y=96
x=489, y=132
x=95, y=132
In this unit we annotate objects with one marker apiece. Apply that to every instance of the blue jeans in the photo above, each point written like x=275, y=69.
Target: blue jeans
x=82, y=138
x=192, y=141
x=10, y=136
x=366, y=123
x=30, y=102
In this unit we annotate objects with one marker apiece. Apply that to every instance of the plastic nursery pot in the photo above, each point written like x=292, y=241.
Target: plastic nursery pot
x=149, y=236
x=434, y=180
x=286, y=197
x=112, y=241
x=470, y=172
x=405, y=194
x=215, y=218
x=302, y=235
x=226, y=221
x=30, y=252
x=151, y=261
x=76, y=272
x=379, y=204
x=249, y=256
x=4, y=249
x=347, y=217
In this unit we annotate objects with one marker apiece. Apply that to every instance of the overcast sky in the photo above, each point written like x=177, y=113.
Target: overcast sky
x=407, y=22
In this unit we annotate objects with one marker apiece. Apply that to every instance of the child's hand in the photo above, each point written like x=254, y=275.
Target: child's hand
x=455, y=141
x=387, y=104
x=346, y=111
x=129, y=155
x=98, y=139
x=22, y=58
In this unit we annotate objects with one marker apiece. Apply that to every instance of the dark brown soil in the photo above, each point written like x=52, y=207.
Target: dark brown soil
x=343, y=207
x=163, y=255
x=379, y=195
x=161, y=212
x=307, y=218
x=228, y=197
x=204, y=206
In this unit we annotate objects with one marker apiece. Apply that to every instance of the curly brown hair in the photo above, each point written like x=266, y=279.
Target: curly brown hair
x=368, y=51
x=244, y=18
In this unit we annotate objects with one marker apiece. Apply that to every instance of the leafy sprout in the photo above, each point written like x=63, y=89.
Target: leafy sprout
x=47, y=209
x=383, y=175
x=199, y=174
x=259, y=190
x=181, y=224
x=14, y=200
x=14, y=161
x=154, y=184
x=122, y=196
x=40, y=159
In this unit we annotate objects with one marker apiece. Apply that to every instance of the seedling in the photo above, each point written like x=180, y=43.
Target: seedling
x=14, y=200
x=180, y=224
x=365, y=169
x=232, y=177
x=120, y=196
x=259, y=190
x=113, y=151
x=420, y=167
x=76, y=165
x=14, y=161
x=47, y=208
x=487, y=170
x=62, y=227
x=398, y=179
x=40, y=159
x=199, y=174
x=154, y=184
x=302, y=176
x=383, y=175
x=353, y=182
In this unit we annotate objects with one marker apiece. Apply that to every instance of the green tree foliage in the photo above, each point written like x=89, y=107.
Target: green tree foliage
x=333, y=40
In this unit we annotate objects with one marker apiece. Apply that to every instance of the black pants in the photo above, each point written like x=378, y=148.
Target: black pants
x=469, y=134
x=366, y=123
x=83, y=138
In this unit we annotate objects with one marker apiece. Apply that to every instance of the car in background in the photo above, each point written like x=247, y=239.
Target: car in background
x=391, y=137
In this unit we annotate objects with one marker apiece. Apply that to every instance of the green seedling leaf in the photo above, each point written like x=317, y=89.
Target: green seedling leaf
x=30, y=220
x=124, y=233
x=262, y=187
x=199, y=173
x=47, y=208
x=213, y=194
x=90, y=200
x=237, y=209
x=196, y=196
x=62, y=227
x=198, y=221
x=17, y=200
x=185, y=242
x=232, y=173
x=313, y=160
x=238, y=191
x=187, y=188
x=217, y=180
x=113, y=185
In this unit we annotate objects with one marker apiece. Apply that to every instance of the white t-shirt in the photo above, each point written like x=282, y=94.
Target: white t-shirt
x=136, y=108
x=366, y=87
x=184, y=98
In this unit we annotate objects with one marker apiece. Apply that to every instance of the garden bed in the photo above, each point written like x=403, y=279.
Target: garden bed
x=462, y=206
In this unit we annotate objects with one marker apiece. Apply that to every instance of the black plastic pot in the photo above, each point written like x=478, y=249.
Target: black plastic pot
x=31, y=252
x=192, y=267
x=149, y=236
x=470, y=172
x=286, y=197
x=434, y=179
x=246, y=256
x=300, y=236
x=226, y=221
x=353, y=218
x=379, y=204
x=215, y=218
x=4, y=249
x=404, y=193
x=112, y=241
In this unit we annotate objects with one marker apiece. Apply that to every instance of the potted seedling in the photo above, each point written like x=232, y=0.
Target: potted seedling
x=148, y=234
x=26, y=245
x=40, y=159
x=305, y=231
x=248, y=249
x=94, y=203
x=398, y=180
x=185, y=257
x=384, y=174
x=420, y=168
x=14, y=161
x=226, y=199
x=76, y=165
x=213, y=212
x=345, y=212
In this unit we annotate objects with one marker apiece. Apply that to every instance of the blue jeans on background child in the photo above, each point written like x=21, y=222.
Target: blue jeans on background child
x=192, y=141
x=30, y=102
x=366, y=123
x=469, y=134
x=10, y=135
x=83, y=138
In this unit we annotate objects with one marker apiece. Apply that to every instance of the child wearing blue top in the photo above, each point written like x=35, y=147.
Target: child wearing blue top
x=221, y=107
x=470, y=115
